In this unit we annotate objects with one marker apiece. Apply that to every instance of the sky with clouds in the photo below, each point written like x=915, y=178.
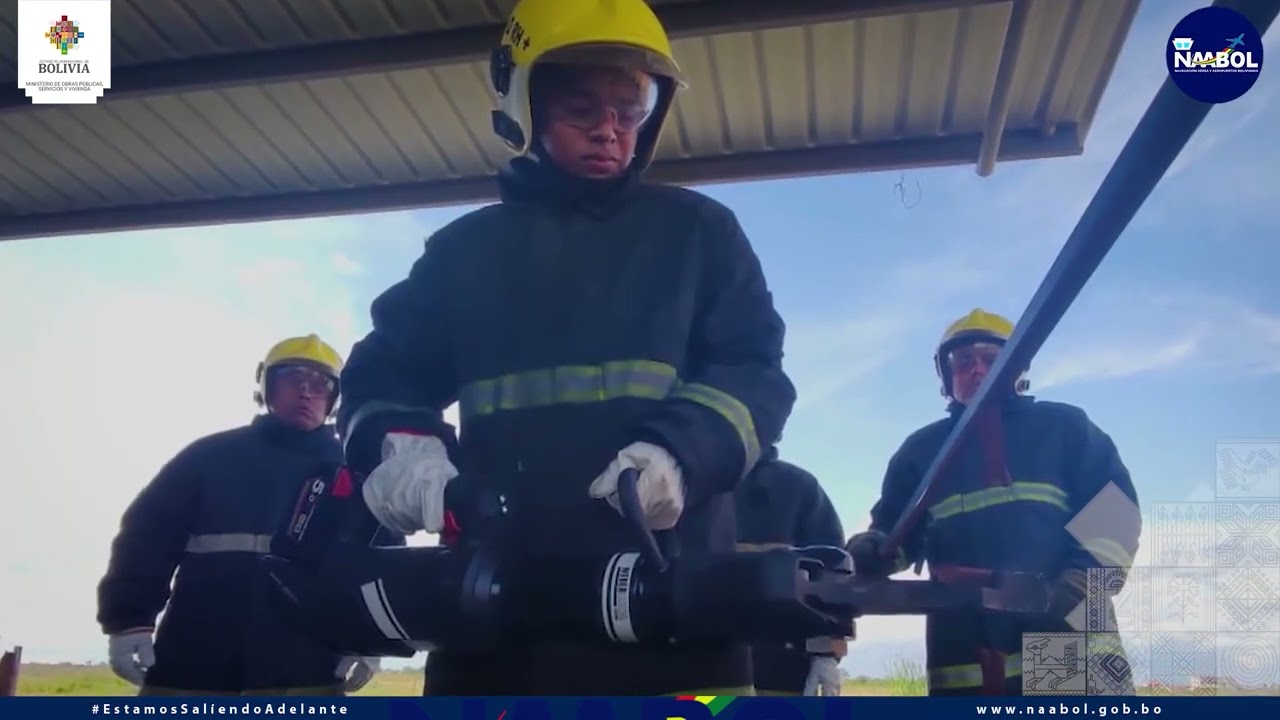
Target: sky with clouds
x=121, y=349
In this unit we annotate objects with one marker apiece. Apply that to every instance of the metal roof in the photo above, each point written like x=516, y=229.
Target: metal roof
x=227, y=110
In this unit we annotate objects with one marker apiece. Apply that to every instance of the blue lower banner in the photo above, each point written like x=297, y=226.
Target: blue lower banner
x=700, y=708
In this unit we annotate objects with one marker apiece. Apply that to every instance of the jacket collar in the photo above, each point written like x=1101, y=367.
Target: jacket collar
x=535, y=180
x=323, y=439
x=1010, y=404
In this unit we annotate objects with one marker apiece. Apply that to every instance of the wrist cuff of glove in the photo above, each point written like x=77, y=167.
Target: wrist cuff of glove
x=364, y=445
x=683, y=452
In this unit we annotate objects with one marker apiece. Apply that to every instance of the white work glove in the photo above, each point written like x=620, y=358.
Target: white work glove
x=131, y=653
x=824, y=675
x=406, y=492
x=660, y=486
x=356, y=672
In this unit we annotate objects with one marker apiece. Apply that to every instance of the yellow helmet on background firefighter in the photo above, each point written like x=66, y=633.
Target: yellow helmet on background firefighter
x=309, y=351
x=978, y=326
x=624, y=33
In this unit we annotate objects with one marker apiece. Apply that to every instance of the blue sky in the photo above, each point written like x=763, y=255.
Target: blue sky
x=122, y=348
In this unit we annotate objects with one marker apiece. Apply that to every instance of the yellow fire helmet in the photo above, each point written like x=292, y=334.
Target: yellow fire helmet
x=307, y=350
x=977, y=326
x=624, y=33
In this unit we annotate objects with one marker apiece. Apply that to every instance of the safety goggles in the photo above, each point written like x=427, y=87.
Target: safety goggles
x=585, y=112
x=968, y=357
x=304, y=380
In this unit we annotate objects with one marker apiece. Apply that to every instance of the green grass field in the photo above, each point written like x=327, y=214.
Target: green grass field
x=906, y=678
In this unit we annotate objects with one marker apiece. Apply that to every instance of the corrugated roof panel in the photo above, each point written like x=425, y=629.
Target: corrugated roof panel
x=262, y=153
x=701, y=108
x=388, y=103
x=300, y=150
x=363, y=139
x=452, y=131
x=978, y=57
x=182, y=158
x=735, y=68
x=231, y=149
x=783, y=59
x=61, y=164
x=834, y=59
x=826, y=86
x=115, y=148
x=929, y=92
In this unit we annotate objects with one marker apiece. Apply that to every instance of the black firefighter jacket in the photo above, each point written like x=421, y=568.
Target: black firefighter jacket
x=210, y=513
x=569, y=321
x=1058, y=463
x=782, y=505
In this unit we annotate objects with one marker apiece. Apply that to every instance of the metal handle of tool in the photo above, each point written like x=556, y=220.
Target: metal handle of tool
x=1160, y=136
x=633, y=513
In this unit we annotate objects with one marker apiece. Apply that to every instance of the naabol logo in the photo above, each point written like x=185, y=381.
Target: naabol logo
x=1214, y=55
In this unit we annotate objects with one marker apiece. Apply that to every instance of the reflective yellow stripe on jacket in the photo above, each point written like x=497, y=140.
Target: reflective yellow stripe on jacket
x=578, y=384
x=229, y=542
x=961, y=503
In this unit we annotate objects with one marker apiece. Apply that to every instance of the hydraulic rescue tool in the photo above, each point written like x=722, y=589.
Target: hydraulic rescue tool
x=395, y=601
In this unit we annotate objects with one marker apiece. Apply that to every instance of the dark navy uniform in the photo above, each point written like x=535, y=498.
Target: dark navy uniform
x=782, y=505
x=210, y=514
x=572, y=319
x=1057, y=462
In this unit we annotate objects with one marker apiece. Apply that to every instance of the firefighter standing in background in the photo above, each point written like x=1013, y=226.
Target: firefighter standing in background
x=589, y=322
x=781, y=505
x=1032, y=467
x=209, y=514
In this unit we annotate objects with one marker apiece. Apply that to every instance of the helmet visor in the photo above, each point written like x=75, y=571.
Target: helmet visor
x=967, y=357
x=303, y=377
x=627, y=110
x=625, y=96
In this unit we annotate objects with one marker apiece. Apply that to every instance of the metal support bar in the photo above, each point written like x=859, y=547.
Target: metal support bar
x=464, y=45
x=1002, y=90
x=1165, y=128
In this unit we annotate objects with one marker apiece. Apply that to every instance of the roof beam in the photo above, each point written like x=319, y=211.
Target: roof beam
x=868, y=157
x=464, y=45
x=1002, y=91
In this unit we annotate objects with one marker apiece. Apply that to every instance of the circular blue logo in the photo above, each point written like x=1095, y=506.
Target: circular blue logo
x=1214, y=55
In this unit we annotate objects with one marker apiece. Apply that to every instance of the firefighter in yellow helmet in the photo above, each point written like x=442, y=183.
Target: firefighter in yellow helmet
x=1039, y=489
x=209, y=514
x=589, y=322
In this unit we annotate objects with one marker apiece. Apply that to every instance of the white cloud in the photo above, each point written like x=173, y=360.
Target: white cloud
x=824, y=359
x=1146, y=332
x=344, y=265
x=108, y=372
x=1102, y=363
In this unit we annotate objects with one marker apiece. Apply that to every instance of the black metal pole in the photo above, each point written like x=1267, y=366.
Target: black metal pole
x=1166, y=127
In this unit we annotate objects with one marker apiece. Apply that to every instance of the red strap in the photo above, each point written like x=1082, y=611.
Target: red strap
x=992, y=663
x=342, y=485
x=991, y=438
x=451, y=532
